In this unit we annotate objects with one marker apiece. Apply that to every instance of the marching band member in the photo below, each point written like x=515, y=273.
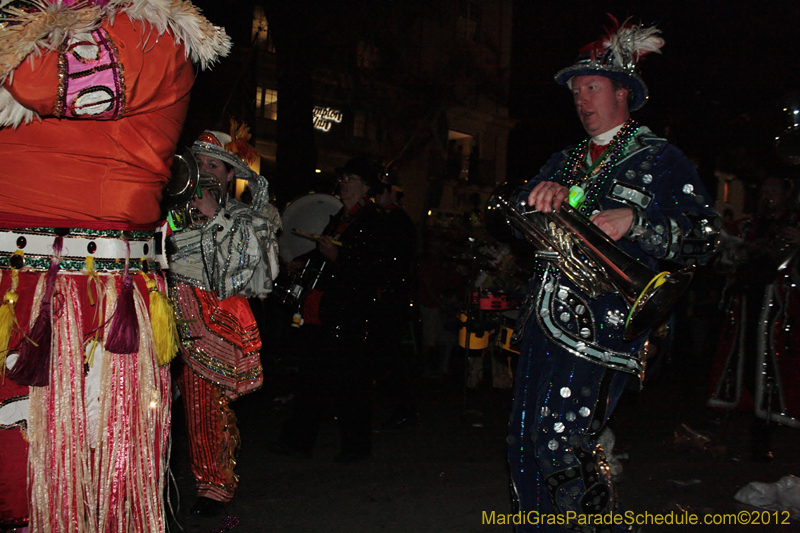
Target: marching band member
x=574, y=362
x=755, y=358
x=339, y=317
x=228, y=255
x=93, y=99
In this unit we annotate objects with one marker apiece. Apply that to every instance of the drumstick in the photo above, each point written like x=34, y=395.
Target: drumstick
x=312, y=236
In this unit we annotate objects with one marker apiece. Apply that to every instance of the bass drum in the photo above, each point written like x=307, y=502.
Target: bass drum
x=310, y=213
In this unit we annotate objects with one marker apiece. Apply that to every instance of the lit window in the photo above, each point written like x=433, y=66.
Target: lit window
x=267, y=103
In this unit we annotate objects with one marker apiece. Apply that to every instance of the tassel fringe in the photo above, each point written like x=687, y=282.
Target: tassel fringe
x=33, y=365
x=162, y=320
x=123, y=333
x=8, y=319
x=94, y=292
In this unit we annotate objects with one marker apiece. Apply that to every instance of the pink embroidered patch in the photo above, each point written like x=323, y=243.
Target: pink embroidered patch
x=92, y=78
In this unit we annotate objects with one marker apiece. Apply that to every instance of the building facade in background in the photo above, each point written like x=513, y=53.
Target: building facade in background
x=422, y=87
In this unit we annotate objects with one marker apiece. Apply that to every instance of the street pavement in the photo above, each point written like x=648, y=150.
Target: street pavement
x=449, y=471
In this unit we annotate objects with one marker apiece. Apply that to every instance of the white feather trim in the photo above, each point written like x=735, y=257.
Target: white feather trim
x=12, y=113
x=203, y=41
x=630, y=43
x=53, y=24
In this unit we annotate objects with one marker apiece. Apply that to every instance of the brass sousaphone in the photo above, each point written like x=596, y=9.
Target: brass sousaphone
x=593, y=261
x=186, y=181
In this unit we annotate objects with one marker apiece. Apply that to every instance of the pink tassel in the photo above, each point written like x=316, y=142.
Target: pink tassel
x=33, y=364
x=123, y=333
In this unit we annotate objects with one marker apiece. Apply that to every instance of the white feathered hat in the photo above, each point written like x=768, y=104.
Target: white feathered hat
x=616, y=56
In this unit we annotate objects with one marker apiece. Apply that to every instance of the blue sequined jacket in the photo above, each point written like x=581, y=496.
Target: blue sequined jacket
x=674, y=221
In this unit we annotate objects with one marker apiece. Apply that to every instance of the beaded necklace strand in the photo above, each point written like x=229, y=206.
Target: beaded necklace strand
x=591, y=183
x=584, y=190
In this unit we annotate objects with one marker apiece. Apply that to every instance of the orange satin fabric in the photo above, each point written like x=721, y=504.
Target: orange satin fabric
x=93, y=170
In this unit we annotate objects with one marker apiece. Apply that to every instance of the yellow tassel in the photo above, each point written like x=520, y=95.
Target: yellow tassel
x=8, y=318
x=162, y=320
x=94, y=285
x=90, y=271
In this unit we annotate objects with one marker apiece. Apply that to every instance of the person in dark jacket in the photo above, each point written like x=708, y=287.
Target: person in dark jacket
x=339, y=320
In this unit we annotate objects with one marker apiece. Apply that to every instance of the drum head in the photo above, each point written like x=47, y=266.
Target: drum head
x=309, y=213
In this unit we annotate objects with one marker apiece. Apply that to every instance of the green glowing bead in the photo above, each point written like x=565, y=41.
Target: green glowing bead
x=576, y=196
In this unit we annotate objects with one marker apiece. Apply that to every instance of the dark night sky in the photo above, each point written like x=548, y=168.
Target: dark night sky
x=716, y=90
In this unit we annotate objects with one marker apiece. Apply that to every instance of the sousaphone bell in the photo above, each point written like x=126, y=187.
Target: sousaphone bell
x=186, y=181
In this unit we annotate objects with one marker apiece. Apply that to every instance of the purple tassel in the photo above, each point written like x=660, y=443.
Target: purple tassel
x=123, y=333
x=33, y=364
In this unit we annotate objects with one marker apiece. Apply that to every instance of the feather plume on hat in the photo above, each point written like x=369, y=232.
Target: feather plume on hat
x=616, y=56
x=629, y=43
x=240, y=134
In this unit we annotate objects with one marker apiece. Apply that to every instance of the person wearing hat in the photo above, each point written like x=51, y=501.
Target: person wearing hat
x=228, y=254
x=338, y=320
x=574, y=361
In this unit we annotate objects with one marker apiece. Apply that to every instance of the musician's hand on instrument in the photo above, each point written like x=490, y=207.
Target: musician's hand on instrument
x=207, y=204
x=614, y=222
x=548, y=196
x=326, y=247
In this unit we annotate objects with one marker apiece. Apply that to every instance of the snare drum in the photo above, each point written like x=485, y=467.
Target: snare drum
x=310, y=214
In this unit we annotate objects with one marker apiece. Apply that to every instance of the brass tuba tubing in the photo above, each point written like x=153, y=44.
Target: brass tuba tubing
x=596, y=264
x=627, y=275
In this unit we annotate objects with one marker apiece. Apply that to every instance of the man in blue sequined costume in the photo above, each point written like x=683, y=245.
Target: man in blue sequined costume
x=574, y=363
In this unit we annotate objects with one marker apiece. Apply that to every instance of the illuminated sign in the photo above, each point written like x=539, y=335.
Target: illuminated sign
x=324, y=117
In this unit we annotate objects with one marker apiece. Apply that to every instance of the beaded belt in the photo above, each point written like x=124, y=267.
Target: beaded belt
x=109, y=248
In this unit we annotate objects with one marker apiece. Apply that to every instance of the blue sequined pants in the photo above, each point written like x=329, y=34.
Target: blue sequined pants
x=561, y=404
